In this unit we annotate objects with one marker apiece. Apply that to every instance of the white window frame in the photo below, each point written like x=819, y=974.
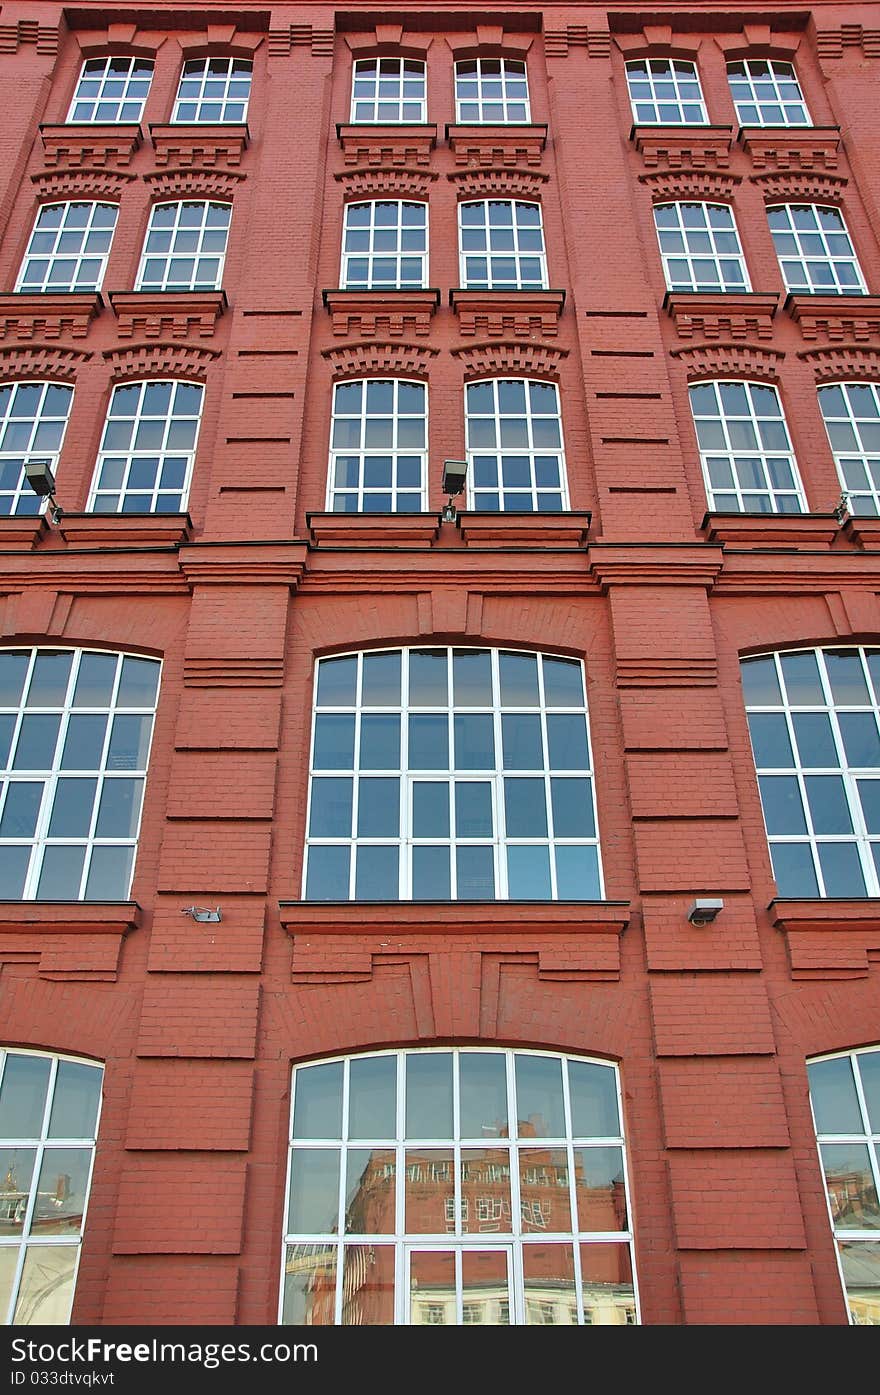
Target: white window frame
x=24, y=502
x=850, y=776
x=858, y=464
x=496, y=846
x=176, y=233
x=55, y=256
x=726, y=456
x=373, y=254
x=366, y=452
x=132, y=454
x=515, y=254
x=476, y=494
x=777, y=71
x=659, y=73
x=867, y=1138
x=695, y=256
x=105, y=78
x=360, y=71
x=43, y=1146
x=510, y=1304
x=39, y=837
x=802, y=257
x=190, y=73
x=512, y=69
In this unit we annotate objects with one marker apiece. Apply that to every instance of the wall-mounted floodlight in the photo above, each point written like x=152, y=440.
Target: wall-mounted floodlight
x=38, y=474
x=842, y=508
x=203, y=914
x=704, y=910
x=454, y=476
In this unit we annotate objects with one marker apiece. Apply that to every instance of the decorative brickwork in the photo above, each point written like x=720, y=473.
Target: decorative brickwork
x=487, y=360
x=192, y=146
x=89, y=146
x=47, y=316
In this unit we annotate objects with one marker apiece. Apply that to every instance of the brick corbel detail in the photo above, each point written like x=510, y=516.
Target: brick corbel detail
x=731, y=315
x=838, y=318
x=235, y=42
x=496, y=147
x=487, y=360
x=558, y=42
x=387, y=147
x=663, y=565
x=90, y=146
x=39, y=360
x=791, y=148
x=388, y=38
x=525, y=314
x=759, y=40
x=381, y=314
x=833, y=939
x=841, y=362
x=67, y=940
x=178, y=313
x=690, y=184
x=121, y=37
x=787, y=185
x=80, y=184
x=234, y=564
x=357, y=360
x=142, y=360
x=490, y=41
x=739, y=360
x=198, y=145
x=400, y=183
x=207, y=184
x=684, y=147
x=282, y=42
x=49, y=316
x=481, y=184
x=831, y=43
x=28, y=31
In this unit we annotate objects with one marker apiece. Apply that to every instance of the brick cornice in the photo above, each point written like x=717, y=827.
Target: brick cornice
x=372, y=530
x=381, y=314
x=142, y=360
x=198, y=144
x=783, y=530
x=125, y=530
x=372, y=183
x=660, y=564
x=243, y=564
x=89, y=145
x=737, y=360
x=524, y=530
x=42, y=361
x=838, y=318
x=842, y=361
x=834, y=43
x=501, y=147
x=488, y=183
x=24, y=316
x=728, y=315
x=282, y=42
x=359, y=360
x=787, y=185
x=176, y=313
x=749, y=571
x=70, y=940
x=387, y=147
x=488, y=360
x=16, y=32
x=559, y=42
x=829, y=939
x=208, y=184
x=791, y=147
x=525, y=314
x=22, y=532
x=442, y=918
x=80, y=183
x=683, y=147
x=691, y=184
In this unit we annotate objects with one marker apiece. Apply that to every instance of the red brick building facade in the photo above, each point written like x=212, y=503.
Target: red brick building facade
x=624, y=263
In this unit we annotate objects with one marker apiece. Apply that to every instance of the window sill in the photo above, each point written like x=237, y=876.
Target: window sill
x=736, y=315
x=829, y=938
x=22, y=532
x=489, y=145
x=532, y=531
x=378, y=145
x=200, y=144
x=791, y=147
x=443, y=918
x=863, y=531
x=372, y=530
x=86, y=144
x=48, y=314
x=772, y=531
x=372, y=313
x=125, y=530
x=845, y=316
x=69, y=939
x=178, y=313
x=521, y=313
x=695, y=147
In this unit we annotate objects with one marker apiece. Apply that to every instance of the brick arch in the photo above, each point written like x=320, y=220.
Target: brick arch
x=41, y=361
x=182, y=183
x=374, y=183
x=51, y=186
x=658, y=41
x=759, y=41
x=116, y=39
x=491, y=41
x=843, y=363
x=223, y=41
x=517, y=360
x=731, y=360
x=506, y=183
x=830, y=1017
x=782, y=186
x=363, y=360
x=389, y=41
x=150, y=360
x=673, y=184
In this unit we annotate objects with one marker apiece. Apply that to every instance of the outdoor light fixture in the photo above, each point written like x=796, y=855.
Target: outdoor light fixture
x=841, y=509
x=704, y=910
x=454, y=476
x=38, y=474
x=203, y=914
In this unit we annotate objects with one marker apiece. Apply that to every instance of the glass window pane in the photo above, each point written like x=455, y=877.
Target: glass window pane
x=528, y=872
x=318, y=1101
x=540, y=1112
x=833, y=1095
x=75, y=1101
x=23, y=1095
x=372, y=1097
x=429, y=1095
x=313, y=1196
x=309, y=1285
x=483, y=1095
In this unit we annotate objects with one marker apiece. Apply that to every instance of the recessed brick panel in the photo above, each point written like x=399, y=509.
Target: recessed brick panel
x=705, y=855
x=721, y=1016
x=188, y=1015
x=747, y=1289
x=188, y=1204
x=176, y=1293
x=198, y=1105
x=215, y=856
x=722, y=1102
x=738, y=1199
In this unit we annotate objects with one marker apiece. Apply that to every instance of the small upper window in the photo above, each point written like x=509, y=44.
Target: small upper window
x=700, y=247
x=385, y=245
x=766, y=93
x=213, y=89
x=148, y=448
x=852, y=420
x=747, y=457
x=513, y=432
x=69, y=247
x=378, y=447
x=33, y=419
x=112, y=89
x=185, y=247
x=502, y=246
x=814, y=250
x=392, y=90
x=491, y=90
x=665, y=92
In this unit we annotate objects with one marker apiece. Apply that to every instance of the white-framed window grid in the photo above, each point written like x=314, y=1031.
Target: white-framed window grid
x=148, y=448
x=33, y=420
x=515, y=448
x=501, y=245
x=111, y=90
x=491, y=90
x=378, y=447
x=185, y=246
x=68, y=248
x=814, y=722
x=75, y=733
x=390, y=91
x=745, y=449
x=49, y=1111
x=851, y=412
x=665, y=92
x=443, y=774
x=845, y=1101
x=377, y=1259
x=700, y=247
x=766, y=92
x=385, y=245
x=213, y=90
x=814, y=250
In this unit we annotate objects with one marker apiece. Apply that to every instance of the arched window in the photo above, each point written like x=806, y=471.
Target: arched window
x=766, y=92
x=68, y=249
x=845, y=1096
x=111, y=90
x=148, y=448
x=385, y=245
x=814, y=250
x=392, y=91
x=75, y=732
x=501, y=242
x=185, y=247
x=814, y=721
x=745, y=449
x=513, y=433
x=33, y=420
x=665, y=92
x=852, y=419
x=213, y=89
x=700, y=247
x=457, y=1186
x=451, y=774
x=492, y=91
x=378, y=447
x=49, y=1108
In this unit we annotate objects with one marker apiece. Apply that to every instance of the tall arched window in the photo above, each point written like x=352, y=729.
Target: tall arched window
x=49, y=1109
x=814, y=720
x=700, y=247
x=665, y=92
x=845, y=1096
x=815, y=251
x=75, y=732
x=112, y=89
x=451, y=774
x=457, y=1186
